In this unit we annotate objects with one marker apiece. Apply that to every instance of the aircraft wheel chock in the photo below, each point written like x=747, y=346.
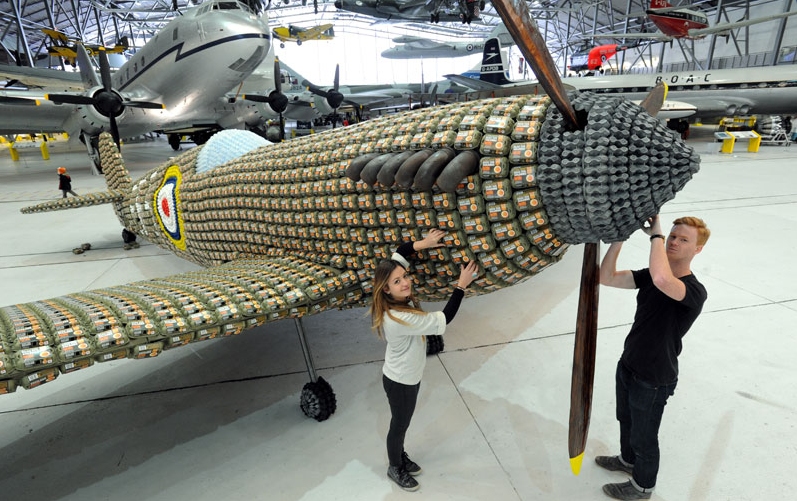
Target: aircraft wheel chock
x=434, y=345
x=318, y=400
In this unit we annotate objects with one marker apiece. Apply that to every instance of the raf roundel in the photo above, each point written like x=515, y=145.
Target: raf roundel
x=167, y=200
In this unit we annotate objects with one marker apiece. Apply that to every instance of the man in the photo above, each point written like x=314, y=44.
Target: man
x=669, y=300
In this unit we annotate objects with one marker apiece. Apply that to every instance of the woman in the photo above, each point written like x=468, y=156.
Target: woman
x=397, y=317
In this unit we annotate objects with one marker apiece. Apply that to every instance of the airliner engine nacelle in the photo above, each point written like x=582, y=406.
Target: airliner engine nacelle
x=322, y=106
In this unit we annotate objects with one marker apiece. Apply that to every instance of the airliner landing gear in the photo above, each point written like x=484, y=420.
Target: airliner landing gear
x=174, y=141
x=318, y=400
x=92, y=148
x=679, y=126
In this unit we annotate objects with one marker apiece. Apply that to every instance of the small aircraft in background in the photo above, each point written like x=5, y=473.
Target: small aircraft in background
x=592, y=59
x=66, y=48
x=299, y=35
x=411, y=47
x=680, y=22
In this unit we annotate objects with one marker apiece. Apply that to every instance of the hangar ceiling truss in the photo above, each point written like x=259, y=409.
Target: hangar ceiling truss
x=563, y=22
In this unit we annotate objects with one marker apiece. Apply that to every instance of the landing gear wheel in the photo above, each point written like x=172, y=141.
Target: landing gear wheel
x=174, y=141
x=434, y=345
x=318, y=400
x=86, y=247
x=128, y=236
x=77, y=250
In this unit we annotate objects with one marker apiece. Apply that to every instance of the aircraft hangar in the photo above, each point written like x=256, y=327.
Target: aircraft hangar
x=221, y=418
x=567, y=26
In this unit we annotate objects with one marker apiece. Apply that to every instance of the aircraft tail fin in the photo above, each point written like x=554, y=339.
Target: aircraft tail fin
x=493, y=68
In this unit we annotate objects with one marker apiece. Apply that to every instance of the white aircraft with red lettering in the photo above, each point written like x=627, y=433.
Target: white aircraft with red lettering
x=692, y=93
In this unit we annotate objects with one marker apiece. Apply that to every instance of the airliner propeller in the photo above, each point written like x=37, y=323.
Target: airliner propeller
x=105, y=100
x=532, y=45
x=333, y=96
x=276, y=99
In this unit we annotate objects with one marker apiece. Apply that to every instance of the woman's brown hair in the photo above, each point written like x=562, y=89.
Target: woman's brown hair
x=383, y=302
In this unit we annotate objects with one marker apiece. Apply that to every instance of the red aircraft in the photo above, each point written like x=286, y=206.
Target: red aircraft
x=676, y=22
x=593, y=59
x=679, y=22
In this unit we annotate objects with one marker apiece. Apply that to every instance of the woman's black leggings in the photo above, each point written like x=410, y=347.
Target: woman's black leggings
x=402, y=399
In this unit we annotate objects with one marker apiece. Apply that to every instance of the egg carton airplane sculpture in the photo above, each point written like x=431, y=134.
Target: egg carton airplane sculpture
x=296, y=228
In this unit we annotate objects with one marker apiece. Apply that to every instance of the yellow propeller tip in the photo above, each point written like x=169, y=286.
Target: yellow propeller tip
x=575, y=463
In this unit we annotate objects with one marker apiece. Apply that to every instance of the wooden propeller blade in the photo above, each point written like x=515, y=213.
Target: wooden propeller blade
x=655, y=99
x=523, y=29
x=584, y=356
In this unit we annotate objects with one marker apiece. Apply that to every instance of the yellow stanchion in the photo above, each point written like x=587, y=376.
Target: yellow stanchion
x=45, y=150
x=14, y=152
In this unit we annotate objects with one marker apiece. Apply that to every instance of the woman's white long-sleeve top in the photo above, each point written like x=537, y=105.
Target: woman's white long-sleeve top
x=405, y=355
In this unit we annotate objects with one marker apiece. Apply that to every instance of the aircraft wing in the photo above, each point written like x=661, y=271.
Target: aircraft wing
x=20, y=114
x=719, y=28
x=314, y=33
x=56, y=36
x=423, y=43
x=636, y=36
x=55, y=80
x=472, y=83
x=44, y=339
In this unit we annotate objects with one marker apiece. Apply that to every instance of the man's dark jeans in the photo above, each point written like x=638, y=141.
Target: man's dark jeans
x=640, y=406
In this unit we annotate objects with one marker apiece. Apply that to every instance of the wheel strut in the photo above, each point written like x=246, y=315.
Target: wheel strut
x=308, y=357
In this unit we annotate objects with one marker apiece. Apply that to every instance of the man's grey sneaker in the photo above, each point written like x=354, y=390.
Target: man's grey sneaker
x=625, y=491
x=410, y=465
x=399, y=475
x=613, y=463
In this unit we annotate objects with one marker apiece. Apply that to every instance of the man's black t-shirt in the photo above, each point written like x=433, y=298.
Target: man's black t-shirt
x=654, y=342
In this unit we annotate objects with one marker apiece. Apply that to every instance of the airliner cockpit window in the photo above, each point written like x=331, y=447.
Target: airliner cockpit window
x=227, y=6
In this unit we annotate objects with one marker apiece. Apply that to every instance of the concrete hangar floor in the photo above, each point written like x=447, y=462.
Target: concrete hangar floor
x=221, y=420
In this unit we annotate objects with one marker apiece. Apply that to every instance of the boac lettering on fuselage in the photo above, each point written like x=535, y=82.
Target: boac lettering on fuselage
x=683, y=79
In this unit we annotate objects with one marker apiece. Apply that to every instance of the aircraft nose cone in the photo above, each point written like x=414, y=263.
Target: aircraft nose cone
x=603, y=182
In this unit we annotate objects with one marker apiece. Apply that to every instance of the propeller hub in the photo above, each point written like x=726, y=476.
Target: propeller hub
x=278, y=101
x=334, y=98
x=108, y=103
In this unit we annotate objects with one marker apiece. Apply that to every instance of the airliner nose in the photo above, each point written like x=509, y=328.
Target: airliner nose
x=603, y=182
